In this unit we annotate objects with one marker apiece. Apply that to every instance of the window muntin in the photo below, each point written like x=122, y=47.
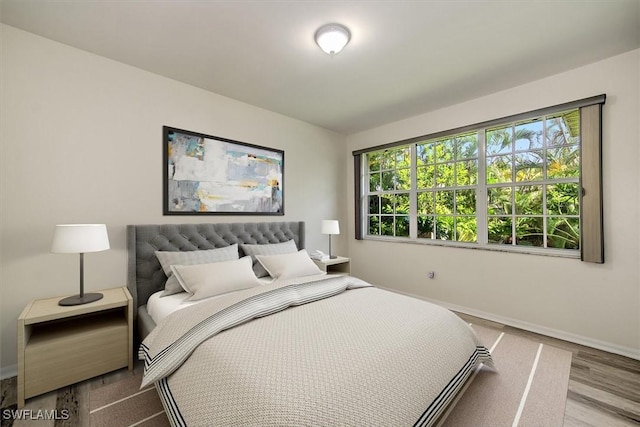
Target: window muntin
x=528, y=197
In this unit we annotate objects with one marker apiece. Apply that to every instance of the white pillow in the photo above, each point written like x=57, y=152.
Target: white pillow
x=288, y=266
x=288, y=247
x=207, y=280
x=169, y=258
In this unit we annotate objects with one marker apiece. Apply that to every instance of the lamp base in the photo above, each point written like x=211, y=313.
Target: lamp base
x=78, y=300
x=333, y=256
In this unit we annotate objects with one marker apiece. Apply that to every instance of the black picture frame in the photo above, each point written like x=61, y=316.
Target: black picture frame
x=210, y=175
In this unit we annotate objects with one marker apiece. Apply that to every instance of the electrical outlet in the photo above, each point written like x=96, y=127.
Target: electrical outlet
x=432, y=275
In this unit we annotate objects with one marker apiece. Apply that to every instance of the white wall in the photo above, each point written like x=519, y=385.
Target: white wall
x=594, y=304
x=81, y=141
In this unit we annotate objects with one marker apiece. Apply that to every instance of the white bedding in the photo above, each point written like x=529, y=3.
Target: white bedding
x=159, y=308
x=319, y=350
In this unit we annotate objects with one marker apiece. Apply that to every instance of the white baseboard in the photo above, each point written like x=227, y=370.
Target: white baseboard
x=531, y=327
x=8, y=372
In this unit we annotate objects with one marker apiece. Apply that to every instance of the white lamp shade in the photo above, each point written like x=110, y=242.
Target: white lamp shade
x=332, y=38
x=80, y=238
x=330, y=226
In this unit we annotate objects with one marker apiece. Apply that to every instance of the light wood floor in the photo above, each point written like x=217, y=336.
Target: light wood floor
x=604, y=388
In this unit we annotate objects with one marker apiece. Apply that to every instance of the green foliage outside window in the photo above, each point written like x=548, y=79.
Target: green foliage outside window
x=389, y=174
x=518, y=156
x=531, y=170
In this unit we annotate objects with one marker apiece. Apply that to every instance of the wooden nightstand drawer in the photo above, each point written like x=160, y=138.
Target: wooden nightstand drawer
x=74, y=350
x=62, y=345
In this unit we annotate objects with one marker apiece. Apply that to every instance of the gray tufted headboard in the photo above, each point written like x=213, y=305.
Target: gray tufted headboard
x=145, y=275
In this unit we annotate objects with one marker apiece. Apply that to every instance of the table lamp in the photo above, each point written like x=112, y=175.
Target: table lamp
x=330, y=226
x=79, y=239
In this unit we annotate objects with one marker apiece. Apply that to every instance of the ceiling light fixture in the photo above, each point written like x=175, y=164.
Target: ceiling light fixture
x=332, y=38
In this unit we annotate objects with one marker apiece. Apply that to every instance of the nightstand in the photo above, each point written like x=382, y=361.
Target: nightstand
x=339, y=265
x=58, y=346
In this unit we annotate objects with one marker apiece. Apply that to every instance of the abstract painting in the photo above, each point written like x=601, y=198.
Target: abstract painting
x=209, y=175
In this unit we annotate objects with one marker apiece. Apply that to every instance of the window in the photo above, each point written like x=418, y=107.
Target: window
x=389, y=185
x=510, y=184
x=533, y=173
x=447, y=171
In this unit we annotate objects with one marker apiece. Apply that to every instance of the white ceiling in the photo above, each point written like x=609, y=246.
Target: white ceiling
x=404, y=57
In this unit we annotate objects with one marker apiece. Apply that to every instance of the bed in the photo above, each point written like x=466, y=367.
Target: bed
x=305, y=349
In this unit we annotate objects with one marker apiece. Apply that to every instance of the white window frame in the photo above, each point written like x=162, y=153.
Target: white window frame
x=363, y=191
